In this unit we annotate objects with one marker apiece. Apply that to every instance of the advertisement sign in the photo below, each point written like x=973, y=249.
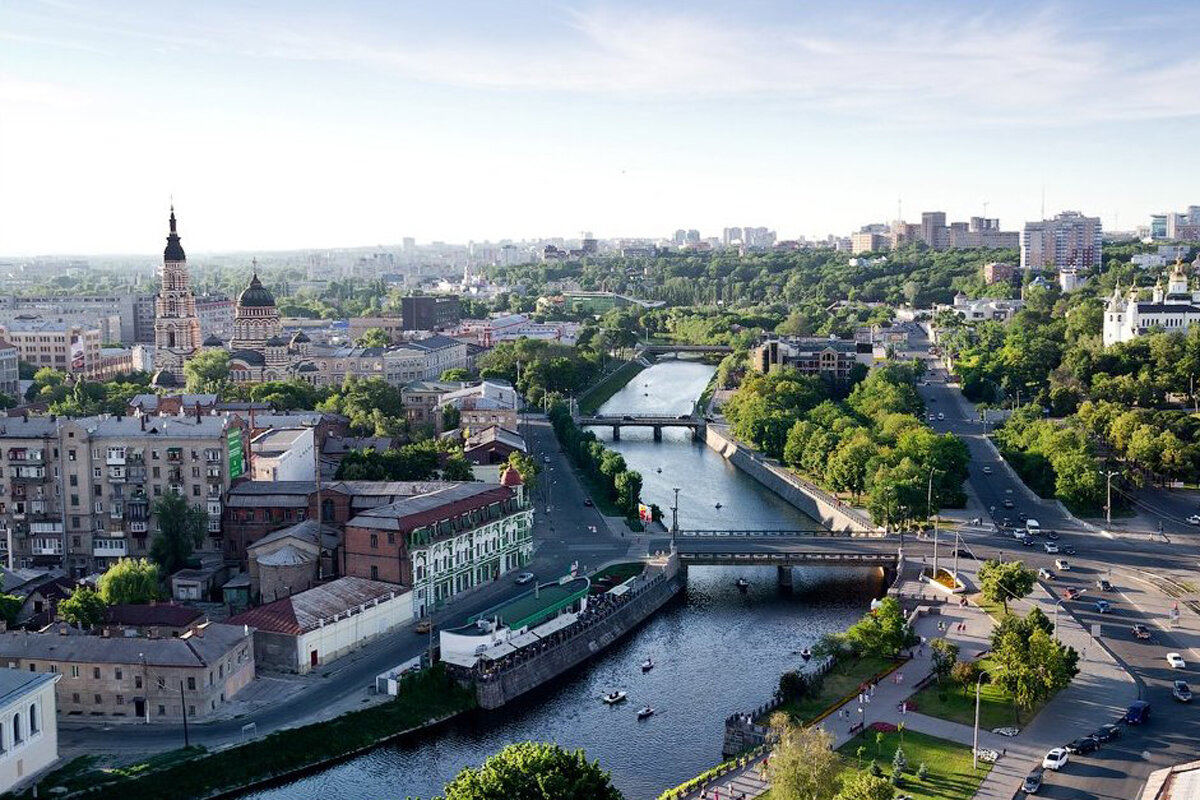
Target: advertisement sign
x=644, y=513
x=76, y=352
x=237, y=465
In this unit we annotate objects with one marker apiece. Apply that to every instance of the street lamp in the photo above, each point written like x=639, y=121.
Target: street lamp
x=1056, y=607
x=1108, y=500
x=929, y=510
x=975, y=738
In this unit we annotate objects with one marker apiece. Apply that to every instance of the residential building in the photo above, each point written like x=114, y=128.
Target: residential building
x=171, y=405
x=138, y=677
x=984, y=308
x=28, y=725
x=867, y=242
x=443, y=542
x=316, y=627
x=1175, y=307
x=998, y=272
x=1070, y=279
x=10, y=377
x=216, y=313
x=31, y=498
x=176, y=324
x=422, y=398
x=829, y=358
x=489, y=402
x=492, y=445
x=283, y=454
x=439, y=353
x=393, y=326
x=1184, y=227
x=1068, y=240
x=58, y=345
x=934, y=232
x=130, y=315
x=429, y=312
x=423, y=359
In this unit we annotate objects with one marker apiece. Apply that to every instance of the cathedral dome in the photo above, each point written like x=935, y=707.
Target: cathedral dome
x=301, y=338
x=277, y=341
x=256, y=295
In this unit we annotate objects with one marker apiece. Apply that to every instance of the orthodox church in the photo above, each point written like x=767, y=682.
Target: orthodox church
x=1173, y=308
x=176, y=324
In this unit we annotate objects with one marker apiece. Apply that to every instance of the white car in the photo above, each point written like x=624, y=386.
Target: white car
x=1175, y=660
x=1062, y=565
x=1194, y=519
x=1056, y=759
x=987, y=470
x=524, y=578
x=1051, y=547
x=941, y=416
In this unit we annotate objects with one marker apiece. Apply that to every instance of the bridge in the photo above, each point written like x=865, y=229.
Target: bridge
x=786, y=549
x=696, y=423
x=662, y=349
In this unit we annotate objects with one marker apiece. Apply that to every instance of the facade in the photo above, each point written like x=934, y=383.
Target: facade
x=1173, y=308
x=10, y=375
x=998, y=272
x=316, y=627
x=444, y=542
x=490, y=402
x=492, y=445
x=137, y=677
x=176, y=325
x=429, y=312
x=984, y=308
x=132, y=313
x=831, y=358
x=422, y=398
x=58, y=345
x=31, y=501
x=1068, y=240
x=292, y=560
x=283, y=454
x=216, y=315
x=28, y=725
x=424, y=359
x=867, y=242
x=392, y=326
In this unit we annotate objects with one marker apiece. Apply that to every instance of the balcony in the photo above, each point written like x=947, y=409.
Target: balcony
x=116, y=512
x=49, y=526
x=176, y=488
x=27, y=474
x=115, y=458
x=174, y=455
x=116, y=474
x=214, y=524
x=109, y=548
x=38, y=507
x=138, y=526
x=46, y=549
x=20, y=456
x=213, y=473
x=214, y=507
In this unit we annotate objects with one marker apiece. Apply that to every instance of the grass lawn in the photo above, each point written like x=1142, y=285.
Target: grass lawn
x=842, y=681
x=599, y=394
x=996, y=708
x=950, y=775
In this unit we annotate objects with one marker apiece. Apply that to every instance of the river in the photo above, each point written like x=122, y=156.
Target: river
x=717, y=650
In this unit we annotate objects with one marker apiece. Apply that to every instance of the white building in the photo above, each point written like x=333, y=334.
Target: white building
x=1175, y=308
x=283, y=454
x=1070, y=279
x=984, y=308
x=28, y=725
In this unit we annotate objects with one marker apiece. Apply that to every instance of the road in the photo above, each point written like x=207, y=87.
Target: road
x=561, y=537
x=1118, y=770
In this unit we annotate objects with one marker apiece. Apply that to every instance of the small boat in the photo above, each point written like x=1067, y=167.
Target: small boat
x=658, y=470
x=718, y=505
x=647, y=665
x=743, y=584
x=612, y=698
x=644, y=712
x=806, y=654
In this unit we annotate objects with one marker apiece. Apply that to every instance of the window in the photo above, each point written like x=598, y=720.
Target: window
x=117, y=673
x=196, y=490
x=137, y=681
x=374, y=540
x=73, y=480
x=162, y=683
x=71, y=456
x=391, y=537
x=98, y=699
x=18, y=736
x=74, y=499
x=97, y=473
x=75, y=698
x=162, y=711
x=33, y=719
x=156, y=472
x=191, y=684
x=374, y=572
x=96, y=673
x=75, y=674
x=120, y=699
x=191, y=711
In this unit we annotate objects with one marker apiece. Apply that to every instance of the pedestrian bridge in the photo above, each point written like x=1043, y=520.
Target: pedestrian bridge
x=692, y=421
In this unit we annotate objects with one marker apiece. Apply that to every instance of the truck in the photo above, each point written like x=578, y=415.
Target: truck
x=1033, y=527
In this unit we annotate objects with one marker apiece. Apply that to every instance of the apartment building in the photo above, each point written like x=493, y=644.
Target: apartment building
x=392, y=326
x=60, y=345
x=216, y=314
x=133, y=312
x=424, y=359
x=10, y=372
x=1068, y=240
x=138, y=677
x=829, y=358
x=31, y=515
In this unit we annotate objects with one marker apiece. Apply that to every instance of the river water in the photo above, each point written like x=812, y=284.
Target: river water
x=717, y=650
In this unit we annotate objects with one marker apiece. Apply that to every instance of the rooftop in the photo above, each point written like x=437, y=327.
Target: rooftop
x=427, y=509
x=311, y=609
x=494, y=433
x=537, y=605
x=15, y=683
x=169, y=615
x=211, y=644
x=203, y=427
x=304, y=531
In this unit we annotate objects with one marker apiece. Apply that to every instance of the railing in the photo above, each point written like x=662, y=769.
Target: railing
x=795, y=533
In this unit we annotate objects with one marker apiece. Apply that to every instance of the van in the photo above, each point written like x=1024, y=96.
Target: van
x=1139, y=712
x=1033, y=526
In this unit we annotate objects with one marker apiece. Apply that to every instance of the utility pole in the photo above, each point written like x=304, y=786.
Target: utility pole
x=975, y=738
x=929, y=510
x=183, y=707
x=1108, y=500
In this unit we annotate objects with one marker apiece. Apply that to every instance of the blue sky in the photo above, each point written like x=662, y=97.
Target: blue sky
x=295, y=124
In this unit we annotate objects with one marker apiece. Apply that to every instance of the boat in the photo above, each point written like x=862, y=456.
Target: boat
x=647, y=665
x=743, y=584
x=612, y=698
x=806, y=654
x=644, y=712
x=658, y=470
x=718, y=505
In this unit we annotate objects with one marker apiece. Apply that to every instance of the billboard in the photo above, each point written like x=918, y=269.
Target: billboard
x=237, y=464
x=76, y=352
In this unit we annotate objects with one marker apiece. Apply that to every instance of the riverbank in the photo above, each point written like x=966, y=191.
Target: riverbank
x=612, y=383
x=422, y=701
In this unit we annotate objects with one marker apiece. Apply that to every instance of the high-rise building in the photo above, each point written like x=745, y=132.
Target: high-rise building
x=1158, y=226
x=176, y=325
x=1184, y=227
x=934, y=232
x=1068, y=240
x=429, y=312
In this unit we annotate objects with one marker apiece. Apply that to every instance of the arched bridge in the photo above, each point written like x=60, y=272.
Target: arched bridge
x=692, y=421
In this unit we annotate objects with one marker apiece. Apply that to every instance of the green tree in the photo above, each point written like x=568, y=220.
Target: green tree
x=881, y=632
x=899, y=760
x=129, y=581
x=526, y=467
x=207, y=372
x=374, y=337
x=865, y=786
x=533, y=771
x=803, y=764
x=456, y=374
x=84, y=608
x=965, y=673
x=10, y=607
x=457, y=468
x=181, y=529
x=1001, y=581
x=286, y=395
x=628, y=485
x=945, y=656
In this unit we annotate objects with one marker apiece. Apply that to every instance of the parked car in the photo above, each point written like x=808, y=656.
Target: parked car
x=1046, y=574
x=524, y=578
x=1050, y=547
x=1106, y=733
x=1008, y=503
x=1104, y=585
x=1083, y=745
x=1062, y=564
x=1056, y=759
x=1181, y=692
x=1140, y=631
x=1194, y=519
x=1033, y=782
x=1175, y=660
x=1137, y=713
x=1103, y=606
x=987, y=470
x=932, y=418
x=587, y=501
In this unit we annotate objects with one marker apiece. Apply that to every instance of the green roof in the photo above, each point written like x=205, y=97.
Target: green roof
x=533, y=607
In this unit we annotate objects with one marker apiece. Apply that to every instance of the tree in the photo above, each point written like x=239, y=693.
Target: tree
x=374, y=337
x=965, y=673
x=207, y=372
x=285, y=395
x=533, y=771
x=945, y=656
x=1001, y=581
x=456, y=374
x=804, y=764
x=865, y=786
x=457, y=468
x=881, y=632
x=129, y=581
x=526, y=467
x=10, y=607
x=181, y=529
x=84, y=608
x=899, y=760
x=1029, y=664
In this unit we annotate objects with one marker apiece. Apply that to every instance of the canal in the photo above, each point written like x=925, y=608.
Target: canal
x=717, y=650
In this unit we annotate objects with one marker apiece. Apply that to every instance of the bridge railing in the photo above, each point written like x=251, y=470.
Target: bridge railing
x=784, y=556
x=782, y=534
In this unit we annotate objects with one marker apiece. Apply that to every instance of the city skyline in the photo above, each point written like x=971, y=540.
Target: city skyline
x=287, y=127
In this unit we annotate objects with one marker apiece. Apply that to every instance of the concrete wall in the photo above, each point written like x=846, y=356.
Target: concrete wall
x=809, y=499
x=518, y=680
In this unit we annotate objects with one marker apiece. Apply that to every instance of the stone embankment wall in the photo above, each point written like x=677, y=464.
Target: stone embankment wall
x=810, y=499
x=645, y=598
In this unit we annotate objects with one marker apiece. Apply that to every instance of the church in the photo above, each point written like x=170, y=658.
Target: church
x=1175, y=308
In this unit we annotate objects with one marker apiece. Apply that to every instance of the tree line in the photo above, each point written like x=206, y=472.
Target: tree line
x=607, y=467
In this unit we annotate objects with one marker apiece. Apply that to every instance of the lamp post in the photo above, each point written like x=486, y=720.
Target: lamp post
x=1056, y=607
x=929, y=510
x=975, y=737
x=1108, y=499
x=674, y=518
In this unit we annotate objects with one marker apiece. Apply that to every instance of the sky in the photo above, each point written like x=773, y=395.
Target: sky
x=278, y=124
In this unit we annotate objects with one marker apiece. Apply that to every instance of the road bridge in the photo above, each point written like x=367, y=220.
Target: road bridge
x=787, y=549
x=695, y=423
x=663, y=349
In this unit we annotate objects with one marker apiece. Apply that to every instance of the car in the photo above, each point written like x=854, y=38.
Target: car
x=1018, y=534
x=1023, y=516
x=1181, y=692
x=1051, y=535
x=587, y=501
x=1103, y=606
x=1103, y=585
x=627, y=418
x=545, y=459
x=1194, y=519
x=1062, y=564
x=1106, y=733
x=1068, y=549
x=1137, y=713
x=1008, y=503
x=1027, y=540
x=1140, y=631
x=524, y=578
x=1007, y=730
x=932, y=417
x=987, y=470
x=1050, y=547
x=424, y=626
x=1056, y=759
x=1082, y=746
x=1006, y=522
x=941, y=416
x=1176, y=661
x=1073, y=593
x=1033, y=782
x=1046, y=574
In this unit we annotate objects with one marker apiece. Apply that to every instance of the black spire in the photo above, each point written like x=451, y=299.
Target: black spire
x=174, y=251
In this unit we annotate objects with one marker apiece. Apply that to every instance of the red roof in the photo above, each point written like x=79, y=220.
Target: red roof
x=314, y=607
x=166, y=614
x=510, y=477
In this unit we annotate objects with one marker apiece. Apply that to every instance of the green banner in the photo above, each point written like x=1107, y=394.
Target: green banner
x=237, y=464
